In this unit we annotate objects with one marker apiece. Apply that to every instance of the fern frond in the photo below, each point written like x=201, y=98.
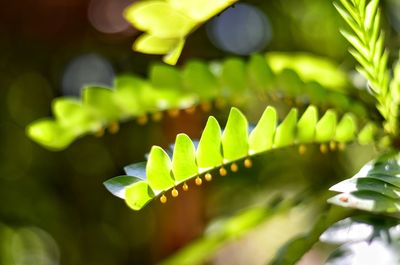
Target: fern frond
x=220, y=151
x=169, y=90
x=367, y=40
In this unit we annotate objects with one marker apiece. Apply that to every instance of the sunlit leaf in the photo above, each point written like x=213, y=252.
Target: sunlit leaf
x=159, y=19
x=158, y=169
x=138, y=195
x=326, y=126
x=184, y=158
x=286, y=131
x=262, y=136
x=208, y=152
x=234, y=138
x=306, y=125
x=154, y=45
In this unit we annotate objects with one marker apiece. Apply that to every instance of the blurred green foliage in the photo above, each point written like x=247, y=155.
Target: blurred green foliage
x=53, y=207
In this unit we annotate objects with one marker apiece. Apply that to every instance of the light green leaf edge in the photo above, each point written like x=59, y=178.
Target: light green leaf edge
x=216, y=143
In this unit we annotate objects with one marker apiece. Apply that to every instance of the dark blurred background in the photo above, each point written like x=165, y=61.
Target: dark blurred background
x=53, y=207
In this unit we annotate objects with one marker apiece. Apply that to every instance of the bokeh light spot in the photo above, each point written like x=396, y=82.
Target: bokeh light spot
x=107, y=16
x=242, y=30
x=88, y=69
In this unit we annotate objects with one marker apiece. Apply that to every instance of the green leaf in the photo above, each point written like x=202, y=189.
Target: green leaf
x=154, y=45
x=262, y=136
x=367, y=184
x=117, y=185
x=309, y=68
x=326, y=126
x=235, y=136
x=208, y=152
x=138, y=195
x=128, y=94
x=346, y=129
x=367, y=201
x=259, y=72
x=366, y=136
x=101, y=102
x=234, y=75
x=165, y=76
x=201, y=10
x=197, y=77
x=50, y=134
x=173, y=55
x=376, y=187
x=158, y=169
x=371, y=10
x=306, y=125
x=159, y=19
x=72, y=114
x=184, y=158
x=286, y=131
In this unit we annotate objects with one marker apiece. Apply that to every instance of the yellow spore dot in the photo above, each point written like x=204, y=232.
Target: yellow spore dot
x=342, y=146
x=302, y=149
x=185, y=187
x=223, y=172
x=248, y=163
x=208, y=177
x=156, y=116
x=113, y=128
x=205, y=106
x=163, y=199
x=332, y=146
x=99, y=132
x=234, y=167
x=174, y=193
x=190, y=110
x=323, y=148
x=142, y=119
x=198, y=181
x=173, y=112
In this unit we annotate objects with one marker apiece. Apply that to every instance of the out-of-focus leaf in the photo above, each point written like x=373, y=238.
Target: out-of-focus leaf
x=197, y=77
x=99, y=99
x=346, y=129
x=326, y=126
x=367, y=201
x=165, y=76
x=375, y=188
x=286, y=131
x=159, y=19
x=154, y=45
x=306, y=125
x=233, y=75
x=50, y=134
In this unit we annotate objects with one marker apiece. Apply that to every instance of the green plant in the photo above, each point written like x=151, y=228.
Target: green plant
x=345, y=119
